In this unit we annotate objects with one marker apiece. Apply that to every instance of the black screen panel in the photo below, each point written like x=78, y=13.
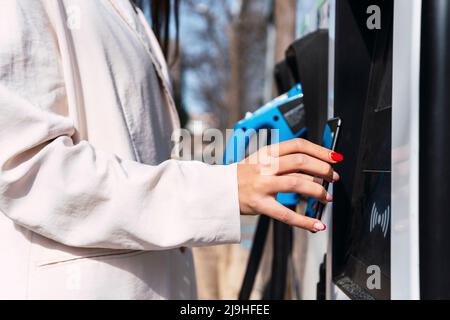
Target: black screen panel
x=363, y=99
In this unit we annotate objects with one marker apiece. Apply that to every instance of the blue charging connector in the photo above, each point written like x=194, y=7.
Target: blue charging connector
x=285, y=115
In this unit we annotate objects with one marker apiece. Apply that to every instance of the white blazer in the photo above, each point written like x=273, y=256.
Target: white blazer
x=88, y=207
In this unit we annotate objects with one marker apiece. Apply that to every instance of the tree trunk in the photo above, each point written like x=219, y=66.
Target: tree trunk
x=285, y=23
x=235, y=85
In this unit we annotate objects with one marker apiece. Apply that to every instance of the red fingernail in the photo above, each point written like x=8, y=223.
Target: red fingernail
x=324, y=227
x=337, y=157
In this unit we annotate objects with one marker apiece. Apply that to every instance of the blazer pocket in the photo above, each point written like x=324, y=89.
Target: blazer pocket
x=97, y=255
x=46, y=252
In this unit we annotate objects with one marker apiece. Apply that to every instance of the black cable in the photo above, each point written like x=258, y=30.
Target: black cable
x=255, y=257
x=282, y=248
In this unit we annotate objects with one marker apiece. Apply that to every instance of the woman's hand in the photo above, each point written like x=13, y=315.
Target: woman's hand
x=296, y=166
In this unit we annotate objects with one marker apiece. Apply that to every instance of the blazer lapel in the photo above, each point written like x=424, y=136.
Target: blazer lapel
x=162, y=75
x=58, y=16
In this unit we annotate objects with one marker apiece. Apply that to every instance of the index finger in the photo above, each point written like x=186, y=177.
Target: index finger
x=305, y=147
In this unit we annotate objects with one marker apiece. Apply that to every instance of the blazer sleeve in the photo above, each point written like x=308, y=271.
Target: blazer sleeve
x=78, y=195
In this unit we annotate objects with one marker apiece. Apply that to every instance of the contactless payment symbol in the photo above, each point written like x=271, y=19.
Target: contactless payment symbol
x=380, y=220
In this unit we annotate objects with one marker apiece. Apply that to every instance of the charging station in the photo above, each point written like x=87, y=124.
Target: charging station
x=389, y=84
x=361, y=233
x=382, y=67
